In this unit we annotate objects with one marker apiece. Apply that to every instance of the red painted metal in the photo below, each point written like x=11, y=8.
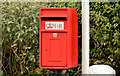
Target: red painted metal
x=58, y=38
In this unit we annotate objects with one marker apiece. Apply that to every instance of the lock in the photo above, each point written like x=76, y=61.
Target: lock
x=54, y=34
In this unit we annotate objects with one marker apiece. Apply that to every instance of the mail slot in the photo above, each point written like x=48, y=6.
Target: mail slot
x=58, y=38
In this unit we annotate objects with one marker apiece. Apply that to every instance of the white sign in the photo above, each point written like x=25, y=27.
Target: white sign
x=54, y=25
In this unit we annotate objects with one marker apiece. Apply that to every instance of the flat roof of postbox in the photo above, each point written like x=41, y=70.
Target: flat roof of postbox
x=54, y=12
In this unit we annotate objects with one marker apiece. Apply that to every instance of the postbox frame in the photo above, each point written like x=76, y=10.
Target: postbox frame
x=71, y=58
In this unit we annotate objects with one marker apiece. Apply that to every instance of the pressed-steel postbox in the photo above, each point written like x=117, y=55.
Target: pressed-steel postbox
x=58, y=38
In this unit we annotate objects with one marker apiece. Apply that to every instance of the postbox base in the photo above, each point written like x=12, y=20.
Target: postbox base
x=55, y=67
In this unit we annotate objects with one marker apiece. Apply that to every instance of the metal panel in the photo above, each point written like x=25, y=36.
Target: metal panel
x=54, y=49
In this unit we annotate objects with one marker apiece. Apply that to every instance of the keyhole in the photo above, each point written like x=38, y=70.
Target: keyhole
x=46, y=50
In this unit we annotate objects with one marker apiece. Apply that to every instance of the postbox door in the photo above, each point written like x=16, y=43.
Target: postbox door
x=54, y=49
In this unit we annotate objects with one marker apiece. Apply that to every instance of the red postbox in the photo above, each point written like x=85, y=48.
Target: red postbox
x=58, y=38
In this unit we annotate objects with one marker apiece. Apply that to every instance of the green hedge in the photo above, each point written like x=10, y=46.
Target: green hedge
x=20, y=35
x=105, y=34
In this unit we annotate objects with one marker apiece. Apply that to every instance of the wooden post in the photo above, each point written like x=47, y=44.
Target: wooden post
x=85, y=36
